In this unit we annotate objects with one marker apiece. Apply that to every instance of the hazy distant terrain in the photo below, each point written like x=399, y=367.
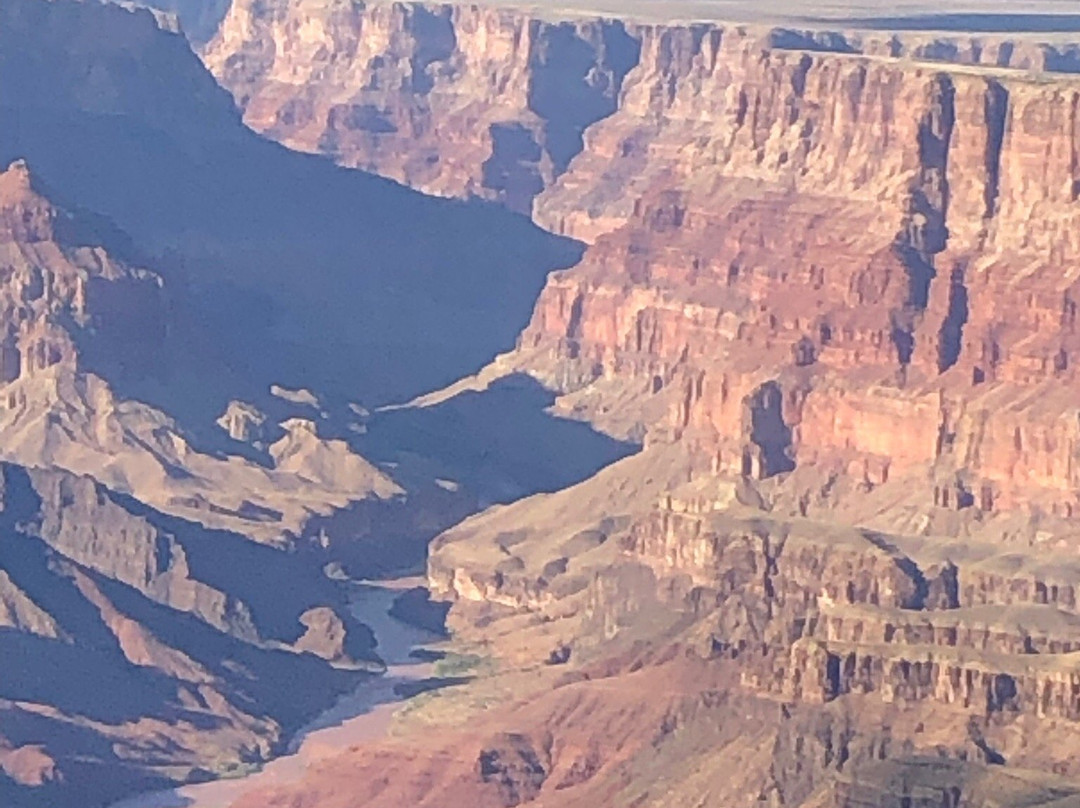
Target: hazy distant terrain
x=201, y=17
x=958, y=15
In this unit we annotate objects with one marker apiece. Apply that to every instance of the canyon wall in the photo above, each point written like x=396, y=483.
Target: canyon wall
x=841, y=285
x=493, y=101
x=453, y=100
x=864, y=258
x=830, y=285
x=875, y=223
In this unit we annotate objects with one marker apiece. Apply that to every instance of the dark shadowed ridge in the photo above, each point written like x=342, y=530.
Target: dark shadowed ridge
x=282, y=267
x=499, y=445
x=85, y=674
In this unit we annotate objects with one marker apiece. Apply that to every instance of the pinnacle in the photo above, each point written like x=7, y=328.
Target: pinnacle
x=16, y=182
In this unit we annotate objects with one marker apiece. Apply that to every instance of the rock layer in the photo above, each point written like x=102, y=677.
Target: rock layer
x=493, y=101
x=828, y=285
x=831, y=291
x=452, y=100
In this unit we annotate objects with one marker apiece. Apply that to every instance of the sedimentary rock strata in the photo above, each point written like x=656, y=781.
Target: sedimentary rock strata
x=846, y=212
x=116, y=624
x=827, y=282
x=838, y=285
x=454, y=100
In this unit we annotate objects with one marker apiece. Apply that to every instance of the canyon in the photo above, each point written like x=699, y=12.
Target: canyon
x=179, y=507
x=828, y=288
x=721, y=376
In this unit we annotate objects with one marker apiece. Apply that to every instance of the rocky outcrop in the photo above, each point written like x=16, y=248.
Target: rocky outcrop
x=877, y=200
x=61, y=290
x=515, y=767
x=21, y=613
x=327, y=636
x=45, y=282
x=123, y=623
x=243, y=422
x=157, y=642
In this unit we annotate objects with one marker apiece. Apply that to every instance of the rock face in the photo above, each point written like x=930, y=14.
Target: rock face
x=453, y=100
x=800, y=295
x=121, y=623
x=61, y=288
x=492, y=101
x=828, y=285
x=831, y=291
x=164, y=584
x=44, y=282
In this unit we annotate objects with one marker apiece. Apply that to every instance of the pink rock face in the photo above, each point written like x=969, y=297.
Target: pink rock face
x=890, y=242
x=882, y=224
x=455, y=100
x=46, y=279
x=28, y=765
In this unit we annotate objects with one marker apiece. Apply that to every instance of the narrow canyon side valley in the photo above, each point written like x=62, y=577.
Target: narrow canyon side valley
x=416, y=404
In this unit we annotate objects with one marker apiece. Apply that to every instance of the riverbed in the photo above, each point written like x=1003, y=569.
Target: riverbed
x=362, y=715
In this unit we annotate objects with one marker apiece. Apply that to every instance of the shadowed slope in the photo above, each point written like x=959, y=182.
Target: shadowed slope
x=285, y=268
x=125, y=664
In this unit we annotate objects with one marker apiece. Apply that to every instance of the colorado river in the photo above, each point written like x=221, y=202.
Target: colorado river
x=362, y=715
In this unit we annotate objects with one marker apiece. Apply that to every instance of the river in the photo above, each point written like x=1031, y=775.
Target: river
x=360, y=716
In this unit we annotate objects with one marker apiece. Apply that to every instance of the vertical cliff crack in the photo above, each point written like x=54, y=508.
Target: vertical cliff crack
x=925, y=233
x=576, y=82
x=997, y=110
x=1074, y=145
x=573, y=322
x=771, y=549
x=435, y=40
x=767, y=432
x=950, y=338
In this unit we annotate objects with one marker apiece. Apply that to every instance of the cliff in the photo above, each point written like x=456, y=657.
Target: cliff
x=838, y=286
x=453, y=100
x=493, y=101
x=874, y=223
x=899, y=306
x=826, y=282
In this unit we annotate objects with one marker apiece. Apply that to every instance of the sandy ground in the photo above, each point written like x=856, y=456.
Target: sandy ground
x=361, y=716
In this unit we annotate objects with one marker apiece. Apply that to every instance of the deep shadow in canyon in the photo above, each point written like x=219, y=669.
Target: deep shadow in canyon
x=279, y=267
x=472, y=451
